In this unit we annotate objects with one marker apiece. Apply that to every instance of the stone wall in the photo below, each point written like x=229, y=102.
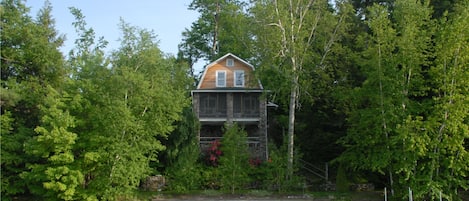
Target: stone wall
x=154, y=183
x=263, y=128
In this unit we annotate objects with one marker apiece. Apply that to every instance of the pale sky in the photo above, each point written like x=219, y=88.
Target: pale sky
x=167, y=18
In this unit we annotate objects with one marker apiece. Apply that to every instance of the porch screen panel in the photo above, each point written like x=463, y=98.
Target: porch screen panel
x=245, y=105
x=237, y=105
x=251, y=105
x=221, y=104
x=212, y=105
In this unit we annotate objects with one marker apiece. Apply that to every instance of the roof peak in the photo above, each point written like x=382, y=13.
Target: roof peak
x=227, y=55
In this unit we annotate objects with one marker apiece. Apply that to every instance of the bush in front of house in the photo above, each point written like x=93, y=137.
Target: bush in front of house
x=234, y=162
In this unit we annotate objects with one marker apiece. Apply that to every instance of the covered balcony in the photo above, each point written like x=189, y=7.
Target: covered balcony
x=218, y=108
x=212, y=105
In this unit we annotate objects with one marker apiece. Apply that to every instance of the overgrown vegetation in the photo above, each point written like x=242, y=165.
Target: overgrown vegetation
x=232, y=169
x=234, y=161
x=380, y=87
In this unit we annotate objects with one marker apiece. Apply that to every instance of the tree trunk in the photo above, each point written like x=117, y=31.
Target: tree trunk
x=291, y=124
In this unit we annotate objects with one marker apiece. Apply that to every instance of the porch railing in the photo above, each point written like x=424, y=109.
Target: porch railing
x=208, y=140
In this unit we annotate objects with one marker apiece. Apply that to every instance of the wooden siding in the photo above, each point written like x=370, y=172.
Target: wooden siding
x=209, y=80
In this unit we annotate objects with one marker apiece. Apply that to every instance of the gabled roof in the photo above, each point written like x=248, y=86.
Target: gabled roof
x=227, y=55
x=220, y=59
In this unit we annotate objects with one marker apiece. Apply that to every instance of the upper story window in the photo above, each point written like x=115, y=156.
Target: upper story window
x=221, y=78
x=229, y=62
x=239, y=78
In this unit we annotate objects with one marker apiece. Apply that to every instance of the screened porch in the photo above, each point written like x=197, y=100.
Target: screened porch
x=215, y=105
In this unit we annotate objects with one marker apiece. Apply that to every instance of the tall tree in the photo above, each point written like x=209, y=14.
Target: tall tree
x=234, y=163
x=289, y=34
x=148, y=101
x=129, y=101
x=223, y=27
x=180, y=158
x=374, y=112
x=446, y=168
x=415, y=29
x=30, y=61
x=405, y=141
x=321, y=117
x=180, y=143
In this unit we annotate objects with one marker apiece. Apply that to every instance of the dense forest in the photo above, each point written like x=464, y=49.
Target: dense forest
x=379, y=88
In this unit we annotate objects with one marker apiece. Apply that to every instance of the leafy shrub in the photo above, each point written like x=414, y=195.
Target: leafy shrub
x=342, y=184
x=275, y=171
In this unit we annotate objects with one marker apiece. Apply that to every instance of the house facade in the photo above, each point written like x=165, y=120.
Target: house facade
x=229, y=93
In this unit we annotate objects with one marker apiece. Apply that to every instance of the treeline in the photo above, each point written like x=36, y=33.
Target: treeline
x=89, y=125
x=377, y=87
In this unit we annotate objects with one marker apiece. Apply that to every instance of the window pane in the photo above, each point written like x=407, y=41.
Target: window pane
x=221, y=78
x=229, y=62
x=239, y=78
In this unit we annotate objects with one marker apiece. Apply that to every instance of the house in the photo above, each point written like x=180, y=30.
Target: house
x=229, y=93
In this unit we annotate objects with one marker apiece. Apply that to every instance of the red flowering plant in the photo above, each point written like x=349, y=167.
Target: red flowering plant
x=214, y=153
x=255, y=162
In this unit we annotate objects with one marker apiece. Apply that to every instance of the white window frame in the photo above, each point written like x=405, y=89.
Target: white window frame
x=235, y=79
x=218, y=84
x=230, y=62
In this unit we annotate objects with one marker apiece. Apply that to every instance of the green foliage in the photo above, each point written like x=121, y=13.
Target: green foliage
x=275, y=176
x=341, y=182
x=57, y=178
x=182, y=143
x=30, y=47
x=368, y=134
x=211, y=178
x=223, y=27
x=96, y=136
x=406, y=141
x=93, y=127
x=447, y=168
x=185, y=178
x=30, y=61
x=182, y=154
x=295, y=40
x=274, y=172
x=125, y=108
x=11, y=158
x=234, y=162
x=440, y=8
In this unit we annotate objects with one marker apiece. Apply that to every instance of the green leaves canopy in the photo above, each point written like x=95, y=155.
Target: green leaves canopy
x=398, y=125
x=91, y=133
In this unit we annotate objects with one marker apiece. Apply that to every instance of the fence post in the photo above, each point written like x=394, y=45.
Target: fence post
x=441, y=199
x=410, y=195
x=385, y=194
x=327, y=173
